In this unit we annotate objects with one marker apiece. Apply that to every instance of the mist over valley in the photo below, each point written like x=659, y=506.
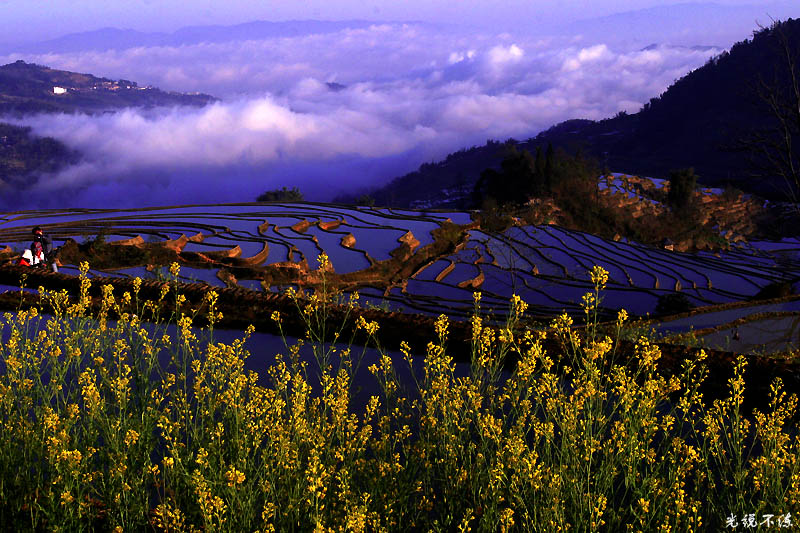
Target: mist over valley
x=331, y=108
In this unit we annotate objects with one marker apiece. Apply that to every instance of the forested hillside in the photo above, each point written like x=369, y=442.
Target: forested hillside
x=729, y=120
x=23, y=154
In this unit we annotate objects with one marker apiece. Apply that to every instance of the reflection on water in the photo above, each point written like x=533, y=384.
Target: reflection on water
x=545, y=265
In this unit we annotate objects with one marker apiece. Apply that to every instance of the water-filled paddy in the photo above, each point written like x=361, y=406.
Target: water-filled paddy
x=546, y=265
x=766, y=335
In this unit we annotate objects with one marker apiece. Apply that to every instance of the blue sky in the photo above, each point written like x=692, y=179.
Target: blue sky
x=42, y=19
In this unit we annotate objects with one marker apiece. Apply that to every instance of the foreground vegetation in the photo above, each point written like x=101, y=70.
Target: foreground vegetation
x=116, y=426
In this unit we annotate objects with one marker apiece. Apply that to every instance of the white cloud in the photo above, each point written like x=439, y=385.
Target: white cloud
x=412, y=94
x=501, y=54
x=457, y=57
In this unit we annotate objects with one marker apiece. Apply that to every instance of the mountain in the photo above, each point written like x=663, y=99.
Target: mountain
x=706, y=120
x=23, y=155
x=679, y=23
x=114, y=38
x=29, y=88
x=446, y=183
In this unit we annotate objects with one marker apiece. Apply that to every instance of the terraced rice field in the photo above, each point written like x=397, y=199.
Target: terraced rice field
x=545, y=265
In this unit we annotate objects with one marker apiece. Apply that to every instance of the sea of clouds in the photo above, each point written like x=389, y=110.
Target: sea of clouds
x=332, y=113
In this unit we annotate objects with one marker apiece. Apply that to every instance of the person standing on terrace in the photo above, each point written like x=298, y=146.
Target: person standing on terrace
x=42, y=249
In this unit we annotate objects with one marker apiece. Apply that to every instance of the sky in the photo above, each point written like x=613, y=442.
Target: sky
x=24, y=20
x=409, y=92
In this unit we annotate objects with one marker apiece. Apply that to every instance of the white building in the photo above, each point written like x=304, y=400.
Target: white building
x=59, y=90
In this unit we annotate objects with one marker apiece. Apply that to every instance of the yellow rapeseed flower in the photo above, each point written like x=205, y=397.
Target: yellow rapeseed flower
x=13, y=363
x=66, y=498
x=441, y=326
x=323, y=261
x=202, y=455
x=599, y=276
x=370, y=327
x=131, y=437
x=518, y=305
x=234, y=477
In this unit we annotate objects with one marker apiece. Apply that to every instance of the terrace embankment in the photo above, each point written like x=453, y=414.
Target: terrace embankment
x=405, y=260
x=242, y=307
x=397, y=259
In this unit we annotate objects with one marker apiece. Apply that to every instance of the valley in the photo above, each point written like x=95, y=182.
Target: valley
x=595, y=328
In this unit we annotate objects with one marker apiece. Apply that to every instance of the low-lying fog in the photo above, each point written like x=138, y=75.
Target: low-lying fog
x=334, y=112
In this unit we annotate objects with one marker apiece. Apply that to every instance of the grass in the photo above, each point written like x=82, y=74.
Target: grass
x=121, y=427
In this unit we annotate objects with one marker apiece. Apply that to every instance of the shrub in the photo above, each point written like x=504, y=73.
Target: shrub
x=281, y=195
x=365, y=200
x=673, y=303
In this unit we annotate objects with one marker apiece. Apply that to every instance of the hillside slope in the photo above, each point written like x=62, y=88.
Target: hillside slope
x=22, y=155
x=29, y=88
x=26, y=88
x=699, y=122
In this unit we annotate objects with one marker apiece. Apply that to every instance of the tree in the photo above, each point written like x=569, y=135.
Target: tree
x=548, y=167
x=523, y=176
x=539, y=164
x=365, y=200
x=775, y=149
x=514, y=183
x=682, y=183
x=281, y=195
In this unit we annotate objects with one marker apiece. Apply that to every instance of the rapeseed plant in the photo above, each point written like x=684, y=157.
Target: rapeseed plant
x=118, y=427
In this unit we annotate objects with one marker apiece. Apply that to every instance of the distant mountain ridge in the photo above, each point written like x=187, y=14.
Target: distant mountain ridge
x=668, y=24
x=114, y=38
x=664, y=24
x=29, y=88
x=697, y=122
